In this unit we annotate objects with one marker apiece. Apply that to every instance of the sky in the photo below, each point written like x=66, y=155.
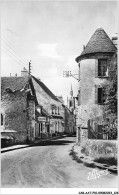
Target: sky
x=51, y=34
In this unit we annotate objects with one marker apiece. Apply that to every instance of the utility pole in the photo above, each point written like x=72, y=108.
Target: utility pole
x=30, y=67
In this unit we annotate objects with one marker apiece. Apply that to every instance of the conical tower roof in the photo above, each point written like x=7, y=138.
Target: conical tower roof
x=98, y=43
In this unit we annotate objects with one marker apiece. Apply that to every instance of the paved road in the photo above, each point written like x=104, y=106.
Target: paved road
x=48, y=165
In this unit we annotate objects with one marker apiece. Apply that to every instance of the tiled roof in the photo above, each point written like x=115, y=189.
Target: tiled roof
x=44, y=112
x=99, y=42
x=43, y=86
x=13, y=83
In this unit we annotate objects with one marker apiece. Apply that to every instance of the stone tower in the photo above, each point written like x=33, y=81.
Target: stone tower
x=93, y=65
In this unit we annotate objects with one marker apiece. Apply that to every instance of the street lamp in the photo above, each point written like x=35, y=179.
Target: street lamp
x=67, y=74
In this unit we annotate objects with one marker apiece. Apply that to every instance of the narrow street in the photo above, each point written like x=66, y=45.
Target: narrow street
x=49, y=166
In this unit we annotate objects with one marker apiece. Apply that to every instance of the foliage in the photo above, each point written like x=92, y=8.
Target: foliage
x=109, y=161
x=110, y=106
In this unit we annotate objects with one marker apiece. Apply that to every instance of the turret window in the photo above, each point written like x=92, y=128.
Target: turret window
x=101, y=95
x=102, y=68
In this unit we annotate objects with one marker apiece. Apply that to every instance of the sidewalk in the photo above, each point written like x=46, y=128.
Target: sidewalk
x=89, y=161
x=16, y=147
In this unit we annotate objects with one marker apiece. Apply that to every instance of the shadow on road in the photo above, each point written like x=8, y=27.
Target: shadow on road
x=41, y=143
x=53, y=142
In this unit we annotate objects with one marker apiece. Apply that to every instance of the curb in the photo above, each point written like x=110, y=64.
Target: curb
x=10, y=149
x=30, y=145
x=87, y=161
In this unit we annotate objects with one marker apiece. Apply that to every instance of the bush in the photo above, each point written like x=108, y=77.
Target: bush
x=109, y=161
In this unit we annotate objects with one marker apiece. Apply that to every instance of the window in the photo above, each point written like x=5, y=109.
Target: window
x=102, y=67
x=1, y=120
x=101, y=97
x=52, y=111
x=53, y=108
x=58, y=111
x=70, y=103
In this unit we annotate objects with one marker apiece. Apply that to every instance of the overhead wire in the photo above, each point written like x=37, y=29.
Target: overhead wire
x=14, y=55
x=12, y=50
x=11, y=43
x=14, y=58
x=8, y=38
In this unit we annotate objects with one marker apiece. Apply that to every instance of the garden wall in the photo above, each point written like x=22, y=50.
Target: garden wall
x=100, y=148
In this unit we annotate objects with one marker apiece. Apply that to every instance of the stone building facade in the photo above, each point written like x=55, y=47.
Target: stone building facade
x=29, y=110
x=93, y=65
x=52, y=106
x=17, y=109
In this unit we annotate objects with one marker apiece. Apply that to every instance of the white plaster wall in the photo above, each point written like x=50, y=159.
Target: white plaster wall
x=88, y=109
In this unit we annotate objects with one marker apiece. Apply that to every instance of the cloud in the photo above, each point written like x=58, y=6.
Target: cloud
x=53, y=70
x=49, y=50
x=71, y=65
x=57, y=83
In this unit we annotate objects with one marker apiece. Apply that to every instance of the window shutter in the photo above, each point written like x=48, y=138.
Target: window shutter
x=96, y=68
x=96, y=94
x=1, y=119
x=100, y=95
x=104, y=93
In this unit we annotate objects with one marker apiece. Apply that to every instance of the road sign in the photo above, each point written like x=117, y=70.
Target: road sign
x=42, y=119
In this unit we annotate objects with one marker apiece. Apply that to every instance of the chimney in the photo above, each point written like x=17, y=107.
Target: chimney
x=16, y=75
x=10, y=74
x=115, y=40
x=24, y=72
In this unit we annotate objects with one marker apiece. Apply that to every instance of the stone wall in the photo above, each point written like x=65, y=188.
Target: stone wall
x=101, y=148
x=13, y=108
x=31, y=120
